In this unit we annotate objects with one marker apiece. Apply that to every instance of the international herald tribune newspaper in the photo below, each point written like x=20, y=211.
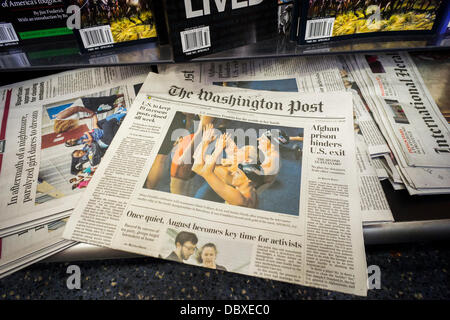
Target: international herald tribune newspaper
x=197, y=174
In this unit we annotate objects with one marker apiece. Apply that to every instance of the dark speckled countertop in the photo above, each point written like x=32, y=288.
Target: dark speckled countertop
x=417, y=271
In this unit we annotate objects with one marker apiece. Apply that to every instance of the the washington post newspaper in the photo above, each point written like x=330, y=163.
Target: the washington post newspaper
x=54, y=132
x=198, y=174
x=411, y=122
x=306, y=74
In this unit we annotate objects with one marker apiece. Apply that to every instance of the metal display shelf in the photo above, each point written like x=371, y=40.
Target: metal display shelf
x=66, y=55
x=281, y=47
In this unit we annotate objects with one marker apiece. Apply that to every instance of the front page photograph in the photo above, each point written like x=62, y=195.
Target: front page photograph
x=272, y=168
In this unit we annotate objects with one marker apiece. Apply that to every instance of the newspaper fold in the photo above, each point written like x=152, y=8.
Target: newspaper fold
x=49, y=126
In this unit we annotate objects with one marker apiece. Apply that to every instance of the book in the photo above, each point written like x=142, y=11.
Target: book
x=106, y=24
x=200, y=27
x=325, y=20
x=33, y=21
x=23, y=56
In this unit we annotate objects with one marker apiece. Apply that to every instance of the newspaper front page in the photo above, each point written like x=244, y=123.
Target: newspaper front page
x=300, y=74
x=410, y=120
x=197, y=174
x=55, y=131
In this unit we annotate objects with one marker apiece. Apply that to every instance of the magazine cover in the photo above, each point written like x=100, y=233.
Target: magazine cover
x=31, y=21
x=198, y=27
x=325, y=20
x=445, y=22
x=107, y=24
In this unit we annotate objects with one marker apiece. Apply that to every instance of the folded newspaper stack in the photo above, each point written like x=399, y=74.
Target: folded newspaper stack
x=411, y=123
x=198, y=170
x=212, y=157
x=45, y=158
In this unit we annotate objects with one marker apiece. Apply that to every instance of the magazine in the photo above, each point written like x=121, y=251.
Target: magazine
x=106, y=24
x=197, y=28
x=33, y=21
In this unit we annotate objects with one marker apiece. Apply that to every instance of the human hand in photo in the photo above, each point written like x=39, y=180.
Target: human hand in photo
x=200, y=151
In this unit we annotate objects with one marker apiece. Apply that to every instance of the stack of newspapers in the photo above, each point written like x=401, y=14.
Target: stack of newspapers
x=280, y=158
x=41, y=179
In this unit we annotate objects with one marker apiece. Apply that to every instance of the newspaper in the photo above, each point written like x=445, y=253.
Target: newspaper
x=27, y=261
x=306, y=75
x=410, y=120
x=234, y=200
x=42, y=174
x=18, y=250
